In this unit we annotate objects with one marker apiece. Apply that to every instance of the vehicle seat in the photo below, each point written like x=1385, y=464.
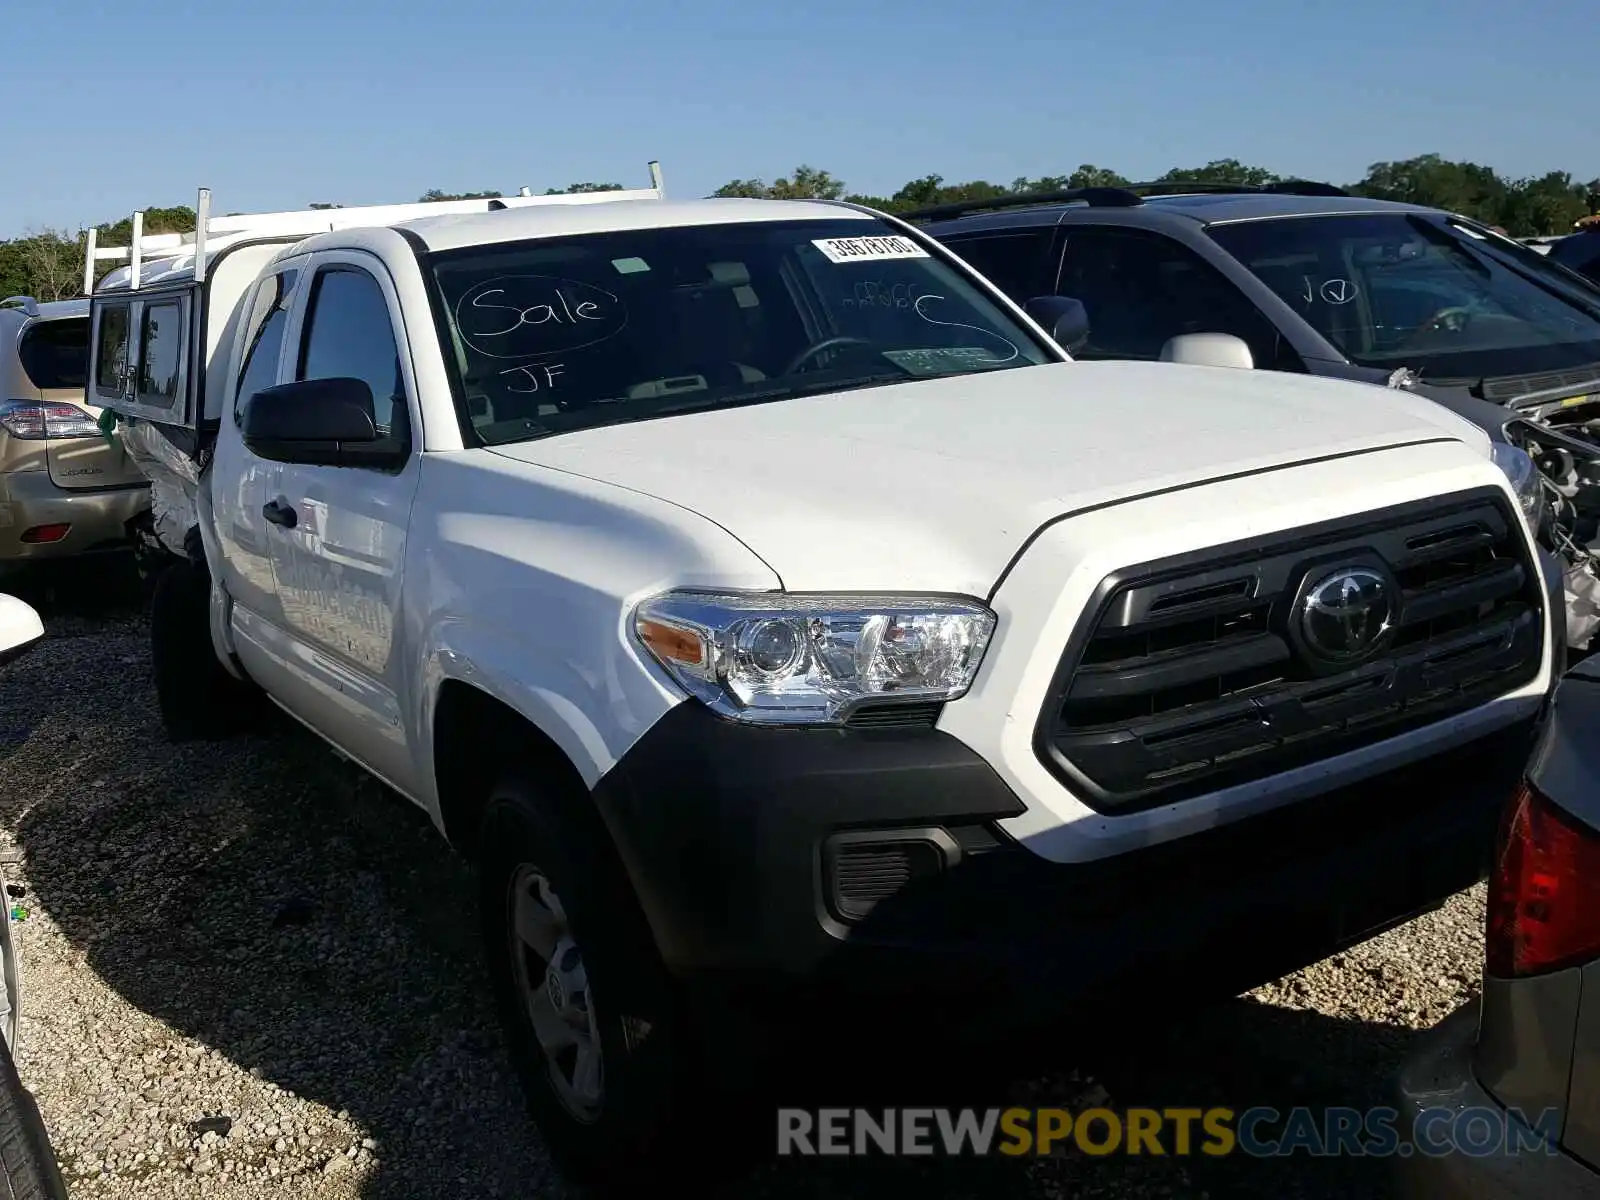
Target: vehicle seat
x=715, y=329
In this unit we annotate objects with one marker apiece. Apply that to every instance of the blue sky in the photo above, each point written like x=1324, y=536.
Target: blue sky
x=281, y=104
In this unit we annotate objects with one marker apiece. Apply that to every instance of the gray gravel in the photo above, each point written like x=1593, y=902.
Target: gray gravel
x=250, y=972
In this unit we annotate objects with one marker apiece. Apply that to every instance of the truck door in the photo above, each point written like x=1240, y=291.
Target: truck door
x=241, y=483
x=338, y=534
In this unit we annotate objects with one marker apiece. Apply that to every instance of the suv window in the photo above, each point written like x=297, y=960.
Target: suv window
x=160, y=353
x=568, y=333
x=268, y=315
x=1142, y=288
x=1579, y=252
x=111, y=352
x=349, y=334
x=1015, y=262
x=55, y=354
x=1409, y=289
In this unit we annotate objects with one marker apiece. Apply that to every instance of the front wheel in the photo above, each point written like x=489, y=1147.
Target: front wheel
x=587, y=1007
x=28, y=1167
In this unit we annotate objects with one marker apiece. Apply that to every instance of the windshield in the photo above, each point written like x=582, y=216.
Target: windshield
x=569, y=333
x=1401, y=289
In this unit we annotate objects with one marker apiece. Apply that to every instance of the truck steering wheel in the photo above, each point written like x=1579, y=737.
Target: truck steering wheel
x=828, y=343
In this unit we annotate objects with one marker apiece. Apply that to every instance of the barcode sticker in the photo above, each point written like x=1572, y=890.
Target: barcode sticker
x=868, y=249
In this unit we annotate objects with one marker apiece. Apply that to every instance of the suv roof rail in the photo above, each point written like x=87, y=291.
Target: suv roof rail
x=1282, y=187
x=29, y=306
x=304, y=222
x=1094, y=197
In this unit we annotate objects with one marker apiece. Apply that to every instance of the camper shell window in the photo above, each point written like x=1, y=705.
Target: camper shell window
x=142, y=354
x=160, y=353
x=111, y=350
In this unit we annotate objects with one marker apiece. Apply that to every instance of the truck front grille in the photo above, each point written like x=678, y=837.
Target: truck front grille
x=1204, y=671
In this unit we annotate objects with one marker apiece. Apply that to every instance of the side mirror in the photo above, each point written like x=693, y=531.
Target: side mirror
x=20, y=628
x=319, y=422
x=1208, y=350
x=1065, y=318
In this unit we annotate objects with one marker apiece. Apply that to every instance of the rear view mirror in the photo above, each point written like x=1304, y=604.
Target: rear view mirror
x=1208, y=350
x=1063, y=317
x=327, y=422
x=20, y=628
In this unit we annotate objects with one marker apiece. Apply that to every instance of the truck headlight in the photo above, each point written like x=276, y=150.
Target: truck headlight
x=1525, y=479
x=771, y=658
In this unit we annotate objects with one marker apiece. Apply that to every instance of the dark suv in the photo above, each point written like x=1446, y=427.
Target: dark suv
x=1308, y=278
x=1304, y=277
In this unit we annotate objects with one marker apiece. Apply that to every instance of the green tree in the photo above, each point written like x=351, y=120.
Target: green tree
x=1545, y=205
x=1461, y=187
x=1089, y=175
x=433, y=194
x=46, y=265
x=750, y=189
x=1221, y=170
x=14, y=277
x=573, y=188
x=156, y=220
x=807, y=183
x=931, y=190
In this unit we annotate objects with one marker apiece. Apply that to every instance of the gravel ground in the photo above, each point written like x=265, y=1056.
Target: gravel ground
x=250, y=972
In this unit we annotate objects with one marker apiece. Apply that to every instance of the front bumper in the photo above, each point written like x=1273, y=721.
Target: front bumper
x=1438, y=1076
x=99, y=519
x=751, y=850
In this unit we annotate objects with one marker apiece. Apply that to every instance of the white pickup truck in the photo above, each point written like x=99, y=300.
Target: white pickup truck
x=786, y=627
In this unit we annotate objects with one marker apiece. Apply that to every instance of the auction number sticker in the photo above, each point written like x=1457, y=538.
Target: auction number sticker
x=868, y=249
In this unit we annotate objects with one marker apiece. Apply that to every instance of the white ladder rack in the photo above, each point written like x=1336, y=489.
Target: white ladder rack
x=307, y=221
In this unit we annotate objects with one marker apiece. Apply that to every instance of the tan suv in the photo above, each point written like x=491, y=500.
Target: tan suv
x=66, y=488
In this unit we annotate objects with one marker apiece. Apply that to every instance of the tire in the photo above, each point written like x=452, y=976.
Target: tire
x=28, y=1168
x=150, y=558
x=199, y=700
x=636, y=1128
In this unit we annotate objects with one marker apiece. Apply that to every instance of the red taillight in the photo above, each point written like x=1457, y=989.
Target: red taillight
x=1544, y=892
x=44, y=533
x=35, y=420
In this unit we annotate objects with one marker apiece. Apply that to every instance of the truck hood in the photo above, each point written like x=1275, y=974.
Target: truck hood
x=935, y=484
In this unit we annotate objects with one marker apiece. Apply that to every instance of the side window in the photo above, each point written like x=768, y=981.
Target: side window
x=1580, y=252
x=1013, y=262
x=1140, y=289
x=160, y=353
x=268, y=315
x=111, y=351
x=349, y=334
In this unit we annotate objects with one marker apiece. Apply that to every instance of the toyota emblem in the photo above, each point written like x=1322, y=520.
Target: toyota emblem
x=1346, y=613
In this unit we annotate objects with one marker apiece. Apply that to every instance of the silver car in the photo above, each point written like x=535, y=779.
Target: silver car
x=1526, y=1057
x=66, y=488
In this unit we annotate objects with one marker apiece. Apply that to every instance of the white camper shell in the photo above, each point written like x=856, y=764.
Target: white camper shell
x=166, y=318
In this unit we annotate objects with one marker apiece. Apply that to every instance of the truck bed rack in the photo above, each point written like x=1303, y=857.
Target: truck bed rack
x=214, y=232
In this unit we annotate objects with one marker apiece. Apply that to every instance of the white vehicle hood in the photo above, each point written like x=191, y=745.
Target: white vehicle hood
x=933, y=485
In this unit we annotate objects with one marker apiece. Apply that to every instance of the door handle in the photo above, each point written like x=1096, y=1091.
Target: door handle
x=280, y=512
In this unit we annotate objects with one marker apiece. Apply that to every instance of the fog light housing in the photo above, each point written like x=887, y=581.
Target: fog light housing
x=864, y=868
x=45, y=534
